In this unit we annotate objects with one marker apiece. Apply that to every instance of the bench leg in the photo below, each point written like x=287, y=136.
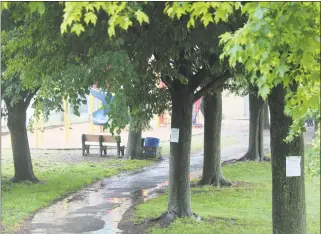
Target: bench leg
x=87, y=149
x=122, y=151
x=105, y=151
x=118, y=152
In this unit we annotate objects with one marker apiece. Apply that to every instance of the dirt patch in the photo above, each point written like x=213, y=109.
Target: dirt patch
x=129, y=227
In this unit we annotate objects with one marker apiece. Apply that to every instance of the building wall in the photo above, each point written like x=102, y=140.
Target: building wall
x=235, y=107
x=56, y=118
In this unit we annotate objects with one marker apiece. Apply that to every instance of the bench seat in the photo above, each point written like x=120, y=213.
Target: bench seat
x=102, y=141
x=97, y=144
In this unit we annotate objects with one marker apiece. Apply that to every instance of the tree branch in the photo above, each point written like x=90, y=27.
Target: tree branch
x=168, y=82
x=30, y=96
x=219, y=81
x=198, y=78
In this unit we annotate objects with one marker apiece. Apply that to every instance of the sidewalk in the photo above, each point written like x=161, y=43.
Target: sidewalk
x=55, y=138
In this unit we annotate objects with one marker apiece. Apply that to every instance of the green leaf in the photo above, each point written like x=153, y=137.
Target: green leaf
x=191, y=23
x=259, y=13
x=282, y=69
x=77, y=28
x=141, y=17
x=111, y=31
x=37, y=6
x=287, y=110
x=90, y=17
x=315, y=102
x=4, y=5
x=235, y=50
x=63, y=27
x=264, y=91
x=207, y=18
x=220, y=14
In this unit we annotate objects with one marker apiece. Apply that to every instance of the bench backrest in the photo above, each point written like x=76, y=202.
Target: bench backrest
x=104, y=138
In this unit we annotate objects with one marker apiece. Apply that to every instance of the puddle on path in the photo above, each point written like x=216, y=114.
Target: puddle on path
x=99, y=208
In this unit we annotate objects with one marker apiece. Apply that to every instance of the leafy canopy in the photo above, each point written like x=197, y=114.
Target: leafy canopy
x=280, y=43
x=120, y=15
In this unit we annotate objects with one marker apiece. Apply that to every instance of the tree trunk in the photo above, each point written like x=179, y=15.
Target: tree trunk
x=212, y=173
x=288, y=193
x=133, y=149
x=17, y=115
x=256, y=107
x=179, y=197
x=261, y=135
x=266, y=116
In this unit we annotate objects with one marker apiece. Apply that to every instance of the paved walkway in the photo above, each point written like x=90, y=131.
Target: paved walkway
x=55, y=138
x=98, y=208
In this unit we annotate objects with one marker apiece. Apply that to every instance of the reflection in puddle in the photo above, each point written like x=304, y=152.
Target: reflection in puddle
x=114, y=215
x=104, y=204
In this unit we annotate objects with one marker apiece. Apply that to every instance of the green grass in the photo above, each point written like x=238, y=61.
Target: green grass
x=245, y=208
x=22, y=199
x=197, y=144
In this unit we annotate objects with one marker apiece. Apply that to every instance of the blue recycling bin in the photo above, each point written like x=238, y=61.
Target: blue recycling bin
x=151, y=142
x=151, y=145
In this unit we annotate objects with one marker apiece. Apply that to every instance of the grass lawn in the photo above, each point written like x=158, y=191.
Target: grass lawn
x=243, y=208
x=21, y=200
x=197, y=144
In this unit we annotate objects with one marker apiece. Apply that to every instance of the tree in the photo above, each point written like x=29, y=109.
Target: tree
x=283, y=45
x=188, y=76
x=30, y=42
x=212, y=173
x=133, y=149
x=16, y=95
x=266, y=116
x=292, y=208
x=184, y=59
x=255, y=150
x=242, y=86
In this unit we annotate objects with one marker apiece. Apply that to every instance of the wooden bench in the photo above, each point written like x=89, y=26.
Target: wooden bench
x=103, y=142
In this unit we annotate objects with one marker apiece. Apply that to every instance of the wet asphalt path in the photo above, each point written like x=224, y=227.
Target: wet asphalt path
x=98, y=208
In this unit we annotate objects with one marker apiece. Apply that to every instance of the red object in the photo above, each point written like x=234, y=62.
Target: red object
x=161, y=119
x=95, y=86
x=162, y=85
x=197, y=105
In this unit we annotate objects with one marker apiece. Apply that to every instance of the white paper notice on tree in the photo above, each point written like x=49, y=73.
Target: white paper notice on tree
x=293, y=166
x=175, y=135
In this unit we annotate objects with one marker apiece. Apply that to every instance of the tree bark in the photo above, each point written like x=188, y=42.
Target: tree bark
x=288, y=193
x=179, y=197
x=17, y=115
x=266, y=116
x=256, y=107
x=133, y=149
x=261, y=135
x=212, y=172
